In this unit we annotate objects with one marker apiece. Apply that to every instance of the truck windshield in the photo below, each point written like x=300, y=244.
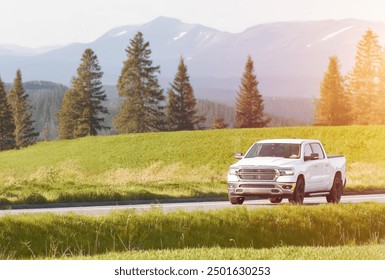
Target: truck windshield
x=274, y=150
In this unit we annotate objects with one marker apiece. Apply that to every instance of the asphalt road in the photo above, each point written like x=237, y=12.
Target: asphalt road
x=188, y=206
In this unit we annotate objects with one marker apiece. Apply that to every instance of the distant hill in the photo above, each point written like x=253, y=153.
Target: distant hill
x=46, y=100
x=290, y=57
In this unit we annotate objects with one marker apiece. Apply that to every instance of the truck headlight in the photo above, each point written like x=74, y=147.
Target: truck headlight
x=286, y=171
x=233, y=171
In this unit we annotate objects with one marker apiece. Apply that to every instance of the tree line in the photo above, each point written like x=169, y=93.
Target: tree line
x=143, y=106
x=357, y=98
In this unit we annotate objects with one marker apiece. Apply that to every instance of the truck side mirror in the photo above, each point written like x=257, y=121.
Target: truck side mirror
x=313, y=156
x=238, y=155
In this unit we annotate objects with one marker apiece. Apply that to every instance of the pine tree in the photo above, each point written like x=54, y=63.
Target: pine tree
x=25, y=134
x=379, y=104
x=7, y=125
x=181, y=107
x=249, y=108
x=69, y=114
x=362, y=82
x=142, y=107
x=333, y=107
x=89, y=86
x=82, y=109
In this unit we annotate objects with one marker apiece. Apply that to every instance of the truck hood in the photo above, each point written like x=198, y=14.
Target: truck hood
x=266, y=161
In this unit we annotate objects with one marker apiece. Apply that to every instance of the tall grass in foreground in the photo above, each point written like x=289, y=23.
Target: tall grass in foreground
x=48, y=235
x=367, y=252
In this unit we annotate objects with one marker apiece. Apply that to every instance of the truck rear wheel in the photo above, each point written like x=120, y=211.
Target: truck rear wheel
x=236, y=200
x=336, y=192
x=299, y=192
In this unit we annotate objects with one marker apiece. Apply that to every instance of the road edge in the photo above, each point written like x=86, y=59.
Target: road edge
x=142, y=201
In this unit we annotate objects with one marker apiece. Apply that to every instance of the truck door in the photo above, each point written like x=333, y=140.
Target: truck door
x=321, y=169
x=310, y=171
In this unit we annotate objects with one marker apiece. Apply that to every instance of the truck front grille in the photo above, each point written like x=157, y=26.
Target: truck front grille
x=257, y=186
x=258, y=174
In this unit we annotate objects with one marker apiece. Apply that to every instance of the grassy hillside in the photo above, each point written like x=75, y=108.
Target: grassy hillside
x=169, y=164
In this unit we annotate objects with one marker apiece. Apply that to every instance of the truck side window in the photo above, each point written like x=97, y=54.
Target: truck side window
x=307, y=151
x=317, y=149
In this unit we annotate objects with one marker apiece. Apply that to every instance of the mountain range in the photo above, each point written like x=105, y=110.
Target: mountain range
x=289, y=57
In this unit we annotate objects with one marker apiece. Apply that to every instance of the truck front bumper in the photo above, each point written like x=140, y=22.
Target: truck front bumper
x=261, y=189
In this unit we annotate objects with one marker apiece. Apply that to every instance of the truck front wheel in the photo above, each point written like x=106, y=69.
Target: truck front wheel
x=336, y=192
x=236, y=200
x=299, y=192
x=277, y=199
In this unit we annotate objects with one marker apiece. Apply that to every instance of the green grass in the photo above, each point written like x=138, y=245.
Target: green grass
x=169, y=164
x=55, y=236
x=367, y=252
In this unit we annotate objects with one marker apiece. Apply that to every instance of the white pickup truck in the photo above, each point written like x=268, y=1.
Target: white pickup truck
x=287, y=168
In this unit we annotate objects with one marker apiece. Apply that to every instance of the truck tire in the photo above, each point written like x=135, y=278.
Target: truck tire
x=299, y=192
x=276, y=199
x=336, y=192
x=236, y=200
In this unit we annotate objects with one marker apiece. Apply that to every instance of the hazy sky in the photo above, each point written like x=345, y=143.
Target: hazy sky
x=35, y=23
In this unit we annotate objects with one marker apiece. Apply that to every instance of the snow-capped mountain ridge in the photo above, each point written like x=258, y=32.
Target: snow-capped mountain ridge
x=289, y=57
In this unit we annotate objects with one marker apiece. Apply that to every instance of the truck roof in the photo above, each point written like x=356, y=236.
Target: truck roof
x=287, y=141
